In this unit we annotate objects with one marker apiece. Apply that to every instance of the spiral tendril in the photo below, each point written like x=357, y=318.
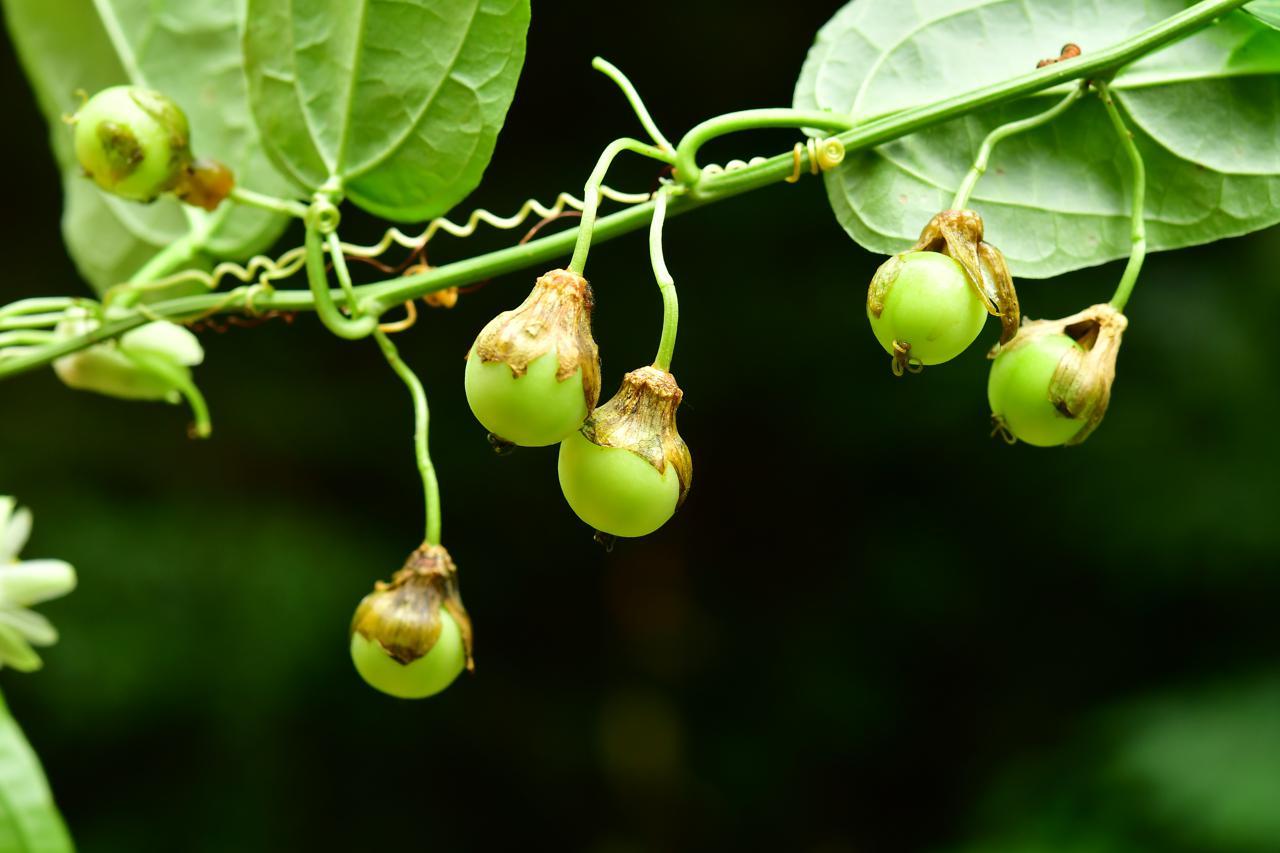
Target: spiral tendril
x=262, y=269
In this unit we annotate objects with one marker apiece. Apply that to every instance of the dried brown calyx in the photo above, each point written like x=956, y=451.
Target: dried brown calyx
x=204, y=183
x=958, y=234
x=641, y=418
x=1081, y=384
x=403, y=616
x=555, y=315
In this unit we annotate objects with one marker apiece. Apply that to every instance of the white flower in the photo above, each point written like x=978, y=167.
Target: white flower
x=23, y=583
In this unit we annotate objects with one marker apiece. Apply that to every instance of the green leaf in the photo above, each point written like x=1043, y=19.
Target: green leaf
x=397, y=101
x=29, y=821
x=1055, y=199
x=190, y=51
x=1267, y=11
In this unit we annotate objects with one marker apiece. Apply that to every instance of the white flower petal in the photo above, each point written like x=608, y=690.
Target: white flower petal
x=14, y=535
x=33, y=581
x=17, y=652
x=36, y=629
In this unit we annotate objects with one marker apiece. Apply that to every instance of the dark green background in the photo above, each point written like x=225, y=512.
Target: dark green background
x=871, y=628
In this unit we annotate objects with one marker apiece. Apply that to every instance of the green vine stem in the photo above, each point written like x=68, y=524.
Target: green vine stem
x=1003, y=132
x=31, y=321
x=38, y=304
x=381, y=296
x=1138, y=228
x=421, y=422
x=26, y=338
x=687, y=171
x=591, y=194
x=248, y=197
x=666, y=284
x=351, y=328
x=633, y=97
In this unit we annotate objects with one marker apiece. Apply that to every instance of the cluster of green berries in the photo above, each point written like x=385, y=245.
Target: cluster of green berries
x=533, y=379
x=1050, y=380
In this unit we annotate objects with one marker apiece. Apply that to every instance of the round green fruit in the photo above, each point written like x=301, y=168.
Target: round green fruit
x=930, y=305
x=133, y=142
x=614, y=490
x=532, y=410
x=424, y=677
x=1018, y=391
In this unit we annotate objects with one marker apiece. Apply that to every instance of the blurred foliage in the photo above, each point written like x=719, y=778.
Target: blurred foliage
x=871, y=628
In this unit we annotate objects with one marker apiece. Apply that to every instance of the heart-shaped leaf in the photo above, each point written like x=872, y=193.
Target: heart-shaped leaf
x=396, y=102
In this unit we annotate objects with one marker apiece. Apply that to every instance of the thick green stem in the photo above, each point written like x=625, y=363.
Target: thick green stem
x=591, y=194
x=670, y=303
x=1003, y=132
x=421, y=421
x=687, y=171
x=633, y=97
x=374, y=298
x=1138, y=225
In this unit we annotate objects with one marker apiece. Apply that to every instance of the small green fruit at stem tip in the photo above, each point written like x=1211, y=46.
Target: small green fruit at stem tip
x=411, y=638
x=1052, y=383
x=533, y=374
x=928, y=312
x=918, y=308
x=627, y=470
x=132, y=142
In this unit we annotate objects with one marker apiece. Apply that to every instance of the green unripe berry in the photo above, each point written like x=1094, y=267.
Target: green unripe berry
x=533, y=374
x=534, y=409
x=627, y=470
x=411, y=637
x=418, y=679
x=615, y=490
x=132, y=142
x=1019, y=391
x=924, y=301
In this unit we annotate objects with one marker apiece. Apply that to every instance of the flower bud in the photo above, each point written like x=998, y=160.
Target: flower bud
x=132, y=142
x=117, y=368
x=533, y=373
x=627, y=470
x=411, y=637
x=1052, y=383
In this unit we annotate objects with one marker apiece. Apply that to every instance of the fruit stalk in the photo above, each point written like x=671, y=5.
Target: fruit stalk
x=421, y=423
x=1138, y=226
